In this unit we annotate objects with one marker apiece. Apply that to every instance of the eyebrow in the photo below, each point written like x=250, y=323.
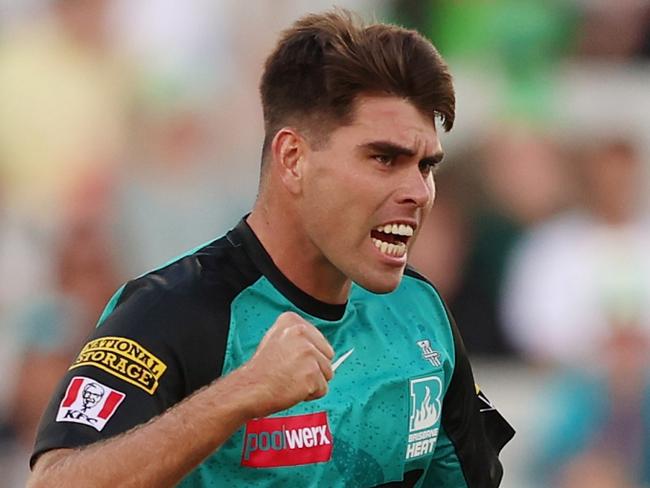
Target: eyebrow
x=394, y=150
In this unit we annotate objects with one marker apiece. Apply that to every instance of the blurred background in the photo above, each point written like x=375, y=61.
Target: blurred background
x=131, y=131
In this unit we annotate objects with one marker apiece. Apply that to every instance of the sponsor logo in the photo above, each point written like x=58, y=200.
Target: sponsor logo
x=428, y=353
x=125, y=359
x=340, y=360
x=89, y=402
x=287, y=441
x=425, y=396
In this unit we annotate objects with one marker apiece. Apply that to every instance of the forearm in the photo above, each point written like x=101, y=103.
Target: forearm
x=161, y=452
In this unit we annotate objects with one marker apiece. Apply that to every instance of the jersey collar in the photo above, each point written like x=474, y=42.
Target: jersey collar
x=243, y=234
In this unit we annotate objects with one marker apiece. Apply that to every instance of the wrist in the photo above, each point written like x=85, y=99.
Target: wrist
x=249, y=393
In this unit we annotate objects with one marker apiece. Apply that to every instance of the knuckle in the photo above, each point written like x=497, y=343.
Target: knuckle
x=310, y=389
x=322, y=390
x=288, y=315
x=305, y=349
x=314, y=370
x=285, y=319
x=329, y=373
x=313, y=376
x=302, y=328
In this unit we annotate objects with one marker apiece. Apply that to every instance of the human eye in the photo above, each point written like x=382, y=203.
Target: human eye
x=428, y=167
x=383, y=159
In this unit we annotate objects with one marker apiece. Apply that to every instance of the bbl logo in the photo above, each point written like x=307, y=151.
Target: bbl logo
x=428, y=353
x=425, y=408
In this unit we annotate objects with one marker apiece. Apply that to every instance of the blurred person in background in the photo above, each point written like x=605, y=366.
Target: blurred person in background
x=43, y=331
x=518, y=181
x=24, y=271
x=595, y=430
x=52, y=300
x=48, y=331
x=611, y=31
x=179, y=186
x=63, y=107
x=63, y=113
x=575, y=275
x=86, y=269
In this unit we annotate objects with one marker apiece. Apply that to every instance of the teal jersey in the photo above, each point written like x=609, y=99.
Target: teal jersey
x=401, y=410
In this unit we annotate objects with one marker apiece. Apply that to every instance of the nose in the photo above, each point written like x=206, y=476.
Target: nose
x=417, y=189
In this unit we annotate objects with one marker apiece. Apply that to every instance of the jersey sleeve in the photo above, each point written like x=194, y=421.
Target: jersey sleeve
x=472, y=432
x=154, y=346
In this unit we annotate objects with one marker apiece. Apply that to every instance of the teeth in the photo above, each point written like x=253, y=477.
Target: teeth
x=405, y=230
x=398, y=249
x=397, y=229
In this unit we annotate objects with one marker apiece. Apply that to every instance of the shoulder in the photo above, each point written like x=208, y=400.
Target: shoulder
x=411, y=273
x=420, y=303
x=203, y=280
x=180, y=312
x=418, y=287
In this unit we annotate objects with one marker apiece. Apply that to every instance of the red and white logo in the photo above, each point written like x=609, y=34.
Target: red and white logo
x=287, y=441
x=89, y=402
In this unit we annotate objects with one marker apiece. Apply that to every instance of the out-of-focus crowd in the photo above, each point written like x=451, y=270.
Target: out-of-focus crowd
x=131, y=131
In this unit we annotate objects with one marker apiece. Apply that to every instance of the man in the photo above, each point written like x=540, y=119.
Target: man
x=218, y=368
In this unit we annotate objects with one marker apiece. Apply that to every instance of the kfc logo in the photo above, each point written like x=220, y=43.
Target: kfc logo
x=88, y=402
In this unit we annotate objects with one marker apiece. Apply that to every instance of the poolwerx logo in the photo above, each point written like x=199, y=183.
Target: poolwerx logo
x=287, y=441
x=125, y=359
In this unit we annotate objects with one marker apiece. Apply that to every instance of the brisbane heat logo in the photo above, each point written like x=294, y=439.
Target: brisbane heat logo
x=287, y=441
x=425, y=396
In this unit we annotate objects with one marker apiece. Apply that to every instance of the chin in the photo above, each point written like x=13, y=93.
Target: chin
x=381, y=285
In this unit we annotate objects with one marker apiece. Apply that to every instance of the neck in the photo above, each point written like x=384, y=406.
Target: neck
x=295, y=255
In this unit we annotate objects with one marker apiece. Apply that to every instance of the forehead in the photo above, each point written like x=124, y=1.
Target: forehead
x=393, y=119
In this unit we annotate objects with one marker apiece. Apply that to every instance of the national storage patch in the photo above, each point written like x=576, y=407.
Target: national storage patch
x=125, y=359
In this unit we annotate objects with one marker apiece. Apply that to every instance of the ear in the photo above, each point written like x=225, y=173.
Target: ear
x=289, y=150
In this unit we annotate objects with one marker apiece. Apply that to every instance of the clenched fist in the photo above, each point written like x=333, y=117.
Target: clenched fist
x=292, y=364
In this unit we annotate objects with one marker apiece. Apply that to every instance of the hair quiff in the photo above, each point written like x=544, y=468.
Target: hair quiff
x=324, y=61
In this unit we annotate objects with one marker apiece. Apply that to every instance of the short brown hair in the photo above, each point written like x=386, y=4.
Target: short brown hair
x=324, y=61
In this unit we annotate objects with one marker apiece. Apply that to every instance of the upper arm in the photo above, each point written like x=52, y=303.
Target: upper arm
x=43, y=462
x=151, y=351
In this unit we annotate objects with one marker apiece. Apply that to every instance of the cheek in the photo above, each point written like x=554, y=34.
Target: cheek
x=432, y=195
x=337, y=193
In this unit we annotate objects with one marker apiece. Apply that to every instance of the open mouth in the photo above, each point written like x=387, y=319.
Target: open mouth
x=391, y=239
